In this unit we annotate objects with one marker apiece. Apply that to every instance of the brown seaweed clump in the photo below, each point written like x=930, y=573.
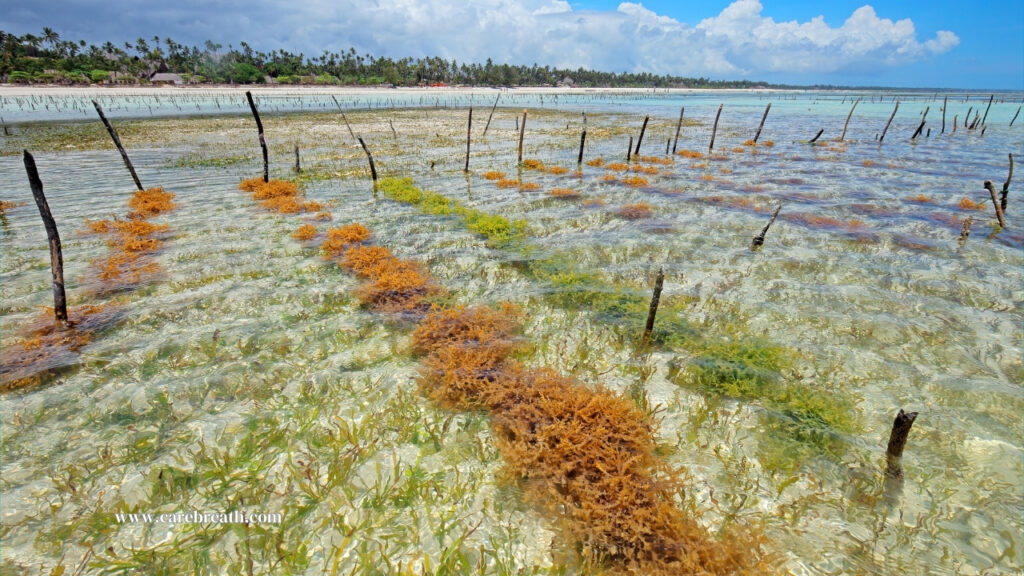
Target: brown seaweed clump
x=151, y=202
x=392, y=284
x=304, y=233
x=567, y=193
x=635, y=211
x=131, y=240
x=46, y=347
x=494, y=175
x=338, y=239
x=281, y=196
x=587, y=453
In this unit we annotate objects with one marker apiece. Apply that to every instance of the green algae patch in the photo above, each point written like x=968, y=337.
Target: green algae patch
x=802, y=420
x=498, y=230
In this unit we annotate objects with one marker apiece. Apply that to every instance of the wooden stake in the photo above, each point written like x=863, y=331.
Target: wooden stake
x=263, y=142
x=373, y=169
x=469, y=128
x=761, y=125
x=522, y=132
x=1015, y=116
x=965, y=230
x=759, y=239
x=117, y=142
x=679, y=125
x=641, y=138
x=999, y=209
x=944, y=100
x=920, y=126
x=1006, y=187
x=816, y=136
x=954, y=123
x=882, y=137
x=653, y=311
x=897, y=441
x=848, y=116
x=488, y=125
x=985, y=117
x=583, y=139
x=60, y=306
x=343, y=117
x=298, y=166
x=715, y=129
x=629, y=149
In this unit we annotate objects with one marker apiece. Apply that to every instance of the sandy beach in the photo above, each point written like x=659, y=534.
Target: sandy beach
x=16, y=90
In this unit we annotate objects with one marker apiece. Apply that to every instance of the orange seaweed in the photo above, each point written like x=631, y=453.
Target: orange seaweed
x=968, y=204
x=533, y=164
x=596, y=162
x=528, y=186
x=362, y=259
x=635, y=211
x=635, y=181
x=47, y=347
x=151, y=201
x=338, y=239
x=565, y=193
x=557, y=170
x=304, y=232
x=617, y=166
x=507, y=183
x=494, y=175
x=690, y=154
x=587, y=453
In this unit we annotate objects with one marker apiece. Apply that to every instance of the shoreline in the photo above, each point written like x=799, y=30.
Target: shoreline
x=18, y=90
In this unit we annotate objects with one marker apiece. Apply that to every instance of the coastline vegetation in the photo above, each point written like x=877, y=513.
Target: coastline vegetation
x=47, y=58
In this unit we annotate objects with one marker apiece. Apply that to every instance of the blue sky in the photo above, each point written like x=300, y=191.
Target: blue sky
x=913, y=43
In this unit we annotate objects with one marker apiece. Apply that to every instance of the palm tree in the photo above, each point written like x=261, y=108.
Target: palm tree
x=50, y=36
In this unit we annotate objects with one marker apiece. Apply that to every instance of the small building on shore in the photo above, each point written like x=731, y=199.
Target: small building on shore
x=166, y=78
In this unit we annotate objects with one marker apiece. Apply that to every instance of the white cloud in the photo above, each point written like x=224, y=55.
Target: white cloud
x=739, y=42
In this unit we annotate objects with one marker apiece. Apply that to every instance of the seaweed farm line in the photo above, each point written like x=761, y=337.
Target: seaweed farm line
x=261, y=351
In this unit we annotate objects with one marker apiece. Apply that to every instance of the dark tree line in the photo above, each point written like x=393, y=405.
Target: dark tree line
x=47, y=58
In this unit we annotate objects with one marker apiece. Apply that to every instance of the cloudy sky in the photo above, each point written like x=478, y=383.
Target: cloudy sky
x=926, y=43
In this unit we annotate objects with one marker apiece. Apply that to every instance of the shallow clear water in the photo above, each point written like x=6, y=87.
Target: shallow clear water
x=304, y=402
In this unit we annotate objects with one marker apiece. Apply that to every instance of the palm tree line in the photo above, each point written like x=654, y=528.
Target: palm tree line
x=48, y=58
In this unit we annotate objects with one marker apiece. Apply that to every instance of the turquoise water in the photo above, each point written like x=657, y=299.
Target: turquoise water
x=304, y=403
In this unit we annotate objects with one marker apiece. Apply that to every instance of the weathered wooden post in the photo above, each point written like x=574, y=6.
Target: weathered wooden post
x=373, y=168
x=117, y=142
x=758, y=240
x=583, y=140
x=60, y=307
x=679, y=126
x=761, y=125
x=897, y=441
x=522, y=132
x=965, y=230
x=345, y=118
x=995, y=202
x=715, y=129
x=882, y=137
x=263, y=142
x=1006, y=187
x=848, y=116
x=489, y=116
x=641, y=138
x=653, y=310
x=469, y=134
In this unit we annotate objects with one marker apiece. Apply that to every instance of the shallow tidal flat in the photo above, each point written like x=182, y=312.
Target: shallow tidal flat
x=242, y=371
